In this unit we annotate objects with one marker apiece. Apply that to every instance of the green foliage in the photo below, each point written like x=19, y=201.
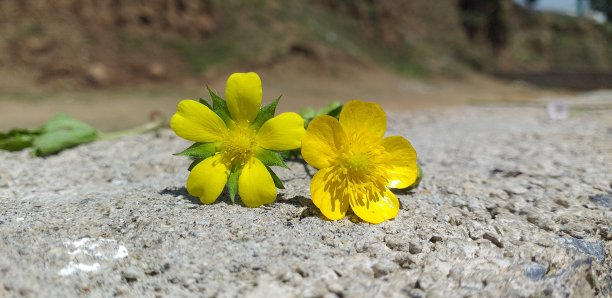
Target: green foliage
x=17, y=139
x=202, y=56
x=62, y=132
x=59, y=133
x=332, y=109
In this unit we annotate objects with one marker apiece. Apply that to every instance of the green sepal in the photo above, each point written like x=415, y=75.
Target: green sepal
x=277, y=182
x=232, y=184
x=205, y=102
x=200, y=150
x=266, y=113
x=220, y=108
x=417, y=181
x=194, y=163
x=62, y=132
x=270, y=158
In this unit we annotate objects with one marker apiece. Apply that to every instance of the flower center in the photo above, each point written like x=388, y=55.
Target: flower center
x=239, y=144
x=360, y=165
x=357, y=164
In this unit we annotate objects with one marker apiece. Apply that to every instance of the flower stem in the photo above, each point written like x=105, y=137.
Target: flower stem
x=157, y=122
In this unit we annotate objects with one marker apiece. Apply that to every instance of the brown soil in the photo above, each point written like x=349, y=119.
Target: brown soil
x=301, y=82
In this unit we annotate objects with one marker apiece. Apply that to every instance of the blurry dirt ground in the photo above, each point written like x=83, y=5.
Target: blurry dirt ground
x=513, y=204
x=301, y=82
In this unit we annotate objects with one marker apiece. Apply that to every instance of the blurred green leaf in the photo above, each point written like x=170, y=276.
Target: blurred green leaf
x=308, y=113
x=332, y=109
x=60, y=133
x=17, y=139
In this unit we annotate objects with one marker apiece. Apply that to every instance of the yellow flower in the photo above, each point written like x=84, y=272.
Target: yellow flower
x=236, y=142
x=357, y=164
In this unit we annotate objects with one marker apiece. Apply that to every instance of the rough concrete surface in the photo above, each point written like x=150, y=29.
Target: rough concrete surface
x=512, y=204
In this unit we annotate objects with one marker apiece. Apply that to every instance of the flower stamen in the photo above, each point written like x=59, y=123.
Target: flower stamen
x=238, y=145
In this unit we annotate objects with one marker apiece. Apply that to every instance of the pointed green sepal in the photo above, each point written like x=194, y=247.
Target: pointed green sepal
x=219, y=106
x=232, y=184
x=271, y=158
x=200, y=150
x=266, y=113
x=205, y=102
x=194, y=163
x=277, y=182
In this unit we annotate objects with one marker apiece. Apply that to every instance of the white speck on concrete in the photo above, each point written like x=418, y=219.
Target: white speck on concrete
x=73, y=268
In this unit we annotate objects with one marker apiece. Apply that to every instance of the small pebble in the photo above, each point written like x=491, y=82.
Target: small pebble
x=131, y=274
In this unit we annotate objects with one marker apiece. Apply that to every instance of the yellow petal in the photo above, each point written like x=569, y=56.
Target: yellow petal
x=207, y=179
x=401, y=161
x=196, y=122
x=375, y=210
x=324, y=137
x=243, y=96
x=283, y=132
x=255, y=185
x=363, y=120
x=329, y=194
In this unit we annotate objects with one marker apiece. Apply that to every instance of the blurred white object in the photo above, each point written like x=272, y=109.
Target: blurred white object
x=557, y=110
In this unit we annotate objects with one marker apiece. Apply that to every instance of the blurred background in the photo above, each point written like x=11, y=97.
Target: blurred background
x=112, y=62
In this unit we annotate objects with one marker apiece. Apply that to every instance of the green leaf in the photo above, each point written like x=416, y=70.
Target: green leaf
x=277, y=182
x=205, y=102
x=335, y=112
x=308, y=113
x=232, y=184
x=271, y=158
x=292, y=154
x=220, y=108
x=194, y=163
x=418, y=180
x=62, y=132
x=332, y=109
x=17, y=139
x=266, y=113
x=200, y=150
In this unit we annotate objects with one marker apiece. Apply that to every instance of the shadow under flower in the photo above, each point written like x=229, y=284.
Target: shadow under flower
x=181, y=193
x=300, y=201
